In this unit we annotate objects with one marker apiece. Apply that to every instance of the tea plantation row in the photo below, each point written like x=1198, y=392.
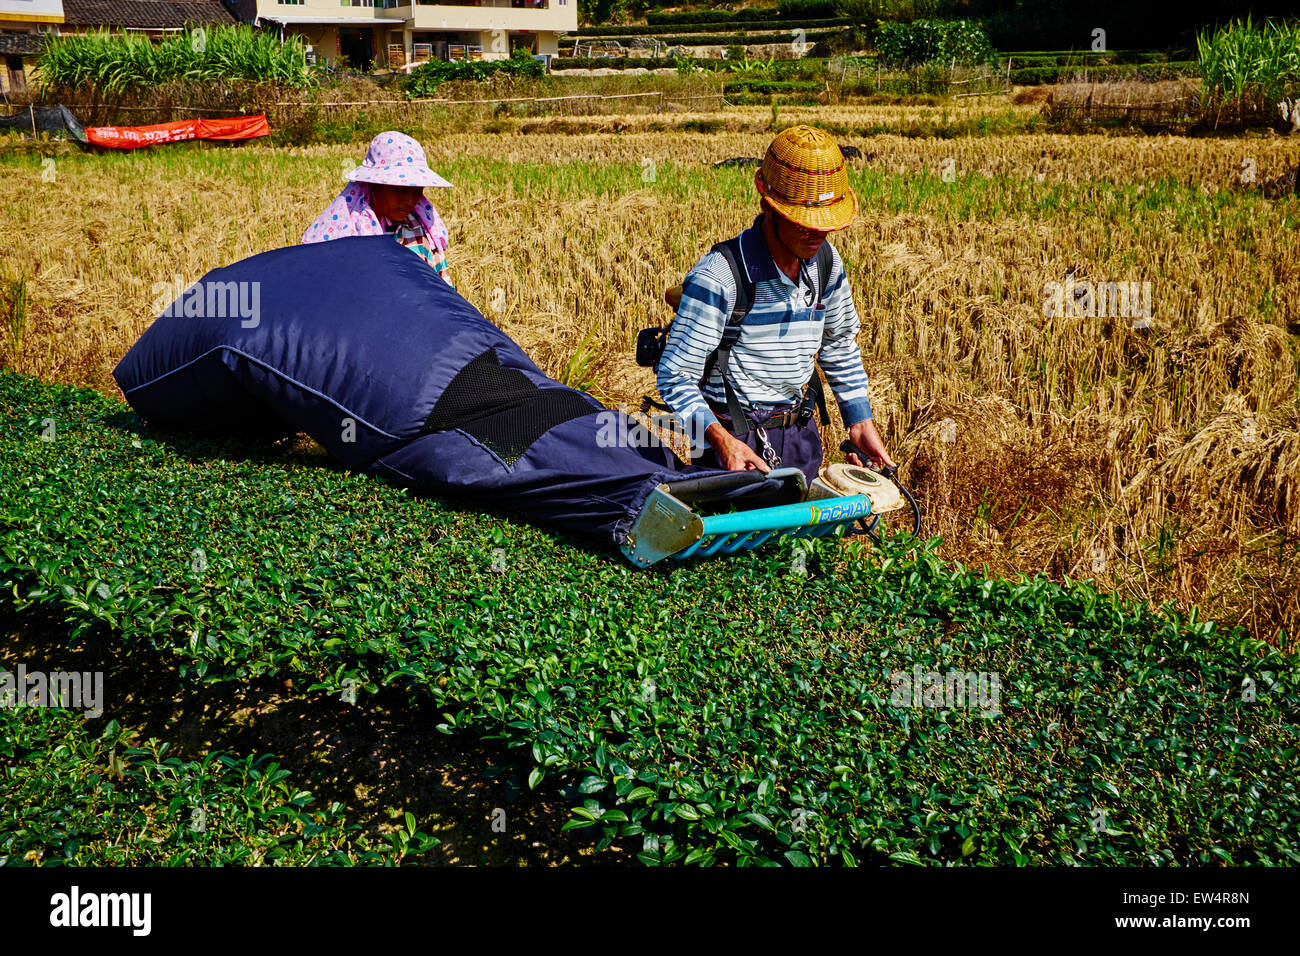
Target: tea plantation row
x=68, y=797
x=726, y=711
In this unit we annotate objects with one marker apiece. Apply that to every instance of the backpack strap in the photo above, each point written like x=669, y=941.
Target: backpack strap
x=825, y=263
x=730, y=251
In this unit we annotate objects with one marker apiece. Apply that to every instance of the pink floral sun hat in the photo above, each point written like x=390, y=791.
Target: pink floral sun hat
x=395, y=159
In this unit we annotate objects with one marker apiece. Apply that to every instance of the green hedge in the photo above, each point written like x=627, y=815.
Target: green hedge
x=806, y=67
x=1078, y=58
x=745, y=39
x=807, y=9
x=76, y=798
x=560, y=64
x=705, y=31
x=773, y=86
x=722, y=711
x=1031, y=76
x=425, y=80
x=679, y=17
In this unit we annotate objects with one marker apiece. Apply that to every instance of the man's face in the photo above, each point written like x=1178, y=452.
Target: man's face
x=394, y=203
x=800, y=240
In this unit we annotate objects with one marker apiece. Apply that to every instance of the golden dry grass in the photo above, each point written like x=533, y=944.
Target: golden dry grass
x=1160, y=461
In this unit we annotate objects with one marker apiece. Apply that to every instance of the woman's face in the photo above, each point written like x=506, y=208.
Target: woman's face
x=394, y=203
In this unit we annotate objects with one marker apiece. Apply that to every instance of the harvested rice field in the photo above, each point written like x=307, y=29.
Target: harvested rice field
x=1157, y=454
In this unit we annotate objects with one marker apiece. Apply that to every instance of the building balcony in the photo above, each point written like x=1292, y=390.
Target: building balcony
x=531, y=15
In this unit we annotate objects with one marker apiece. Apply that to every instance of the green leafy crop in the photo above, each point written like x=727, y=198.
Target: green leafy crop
x=922, y=41
x=73, y=799
x=729, y=711
x=117, y=63
x=425, y=80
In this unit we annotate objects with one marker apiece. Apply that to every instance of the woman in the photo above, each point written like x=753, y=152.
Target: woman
x=385, y=195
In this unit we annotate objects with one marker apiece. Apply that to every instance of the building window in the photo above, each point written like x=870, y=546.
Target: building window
x=290, y=3
x=358, y=3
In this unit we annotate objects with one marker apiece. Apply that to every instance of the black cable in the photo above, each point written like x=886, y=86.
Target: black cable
x=890, y=472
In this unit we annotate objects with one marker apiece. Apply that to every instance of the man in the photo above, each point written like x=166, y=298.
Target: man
x=804, y=196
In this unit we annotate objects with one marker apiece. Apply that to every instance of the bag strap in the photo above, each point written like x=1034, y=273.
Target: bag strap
x=825, y=263
x=730, y=251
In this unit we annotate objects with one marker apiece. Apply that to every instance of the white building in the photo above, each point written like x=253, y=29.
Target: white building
x=357, y=33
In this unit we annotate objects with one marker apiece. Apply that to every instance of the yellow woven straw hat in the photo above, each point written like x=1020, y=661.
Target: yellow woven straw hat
x=805, y=179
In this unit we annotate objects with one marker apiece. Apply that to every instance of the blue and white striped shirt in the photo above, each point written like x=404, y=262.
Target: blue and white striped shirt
x=780, y=338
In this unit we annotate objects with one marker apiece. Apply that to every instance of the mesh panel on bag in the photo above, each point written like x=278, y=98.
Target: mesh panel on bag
x=502, y=408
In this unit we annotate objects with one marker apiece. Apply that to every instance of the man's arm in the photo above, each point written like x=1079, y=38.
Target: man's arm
x=708, y=294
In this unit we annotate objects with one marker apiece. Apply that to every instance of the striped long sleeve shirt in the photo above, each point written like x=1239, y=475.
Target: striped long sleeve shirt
x=780, y=338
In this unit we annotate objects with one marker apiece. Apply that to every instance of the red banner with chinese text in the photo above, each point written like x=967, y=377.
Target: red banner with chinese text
x=133, y=137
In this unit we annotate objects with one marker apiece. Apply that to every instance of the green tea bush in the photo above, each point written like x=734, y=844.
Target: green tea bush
x=924, y=40
x=1078, y=58
x=726, y=39
x=692, y=17
x=559, y=65
x=424, y=80
x=71, y=798
x=1147, y=72
x=811, y=87
x=705, y=29
x=678, y=17
x=803, y=67
x=807, y=9
x=867, y=11
x=719, y=711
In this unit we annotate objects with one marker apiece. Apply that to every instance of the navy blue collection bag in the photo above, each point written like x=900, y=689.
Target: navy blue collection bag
x=362, y=346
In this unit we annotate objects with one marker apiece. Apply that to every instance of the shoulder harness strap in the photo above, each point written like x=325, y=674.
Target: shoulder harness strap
x=825, y=263
x=730, y=251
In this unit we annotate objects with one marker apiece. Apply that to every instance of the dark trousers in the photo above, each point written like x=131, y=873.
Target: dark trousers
x=796, y=447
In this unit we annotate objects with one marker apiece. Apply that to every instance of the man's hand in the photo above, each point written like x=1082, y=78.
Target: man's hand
x=865, y=436
x=734, y=453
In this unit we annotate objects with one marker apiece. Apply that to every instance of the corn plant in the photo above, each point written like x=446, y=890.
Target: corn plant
x=1244, y=63
x=117, y=64
x=755, y=68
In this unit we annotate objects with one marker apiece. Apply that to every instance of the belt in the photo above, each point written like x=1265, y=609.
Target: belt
x=776, y=421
